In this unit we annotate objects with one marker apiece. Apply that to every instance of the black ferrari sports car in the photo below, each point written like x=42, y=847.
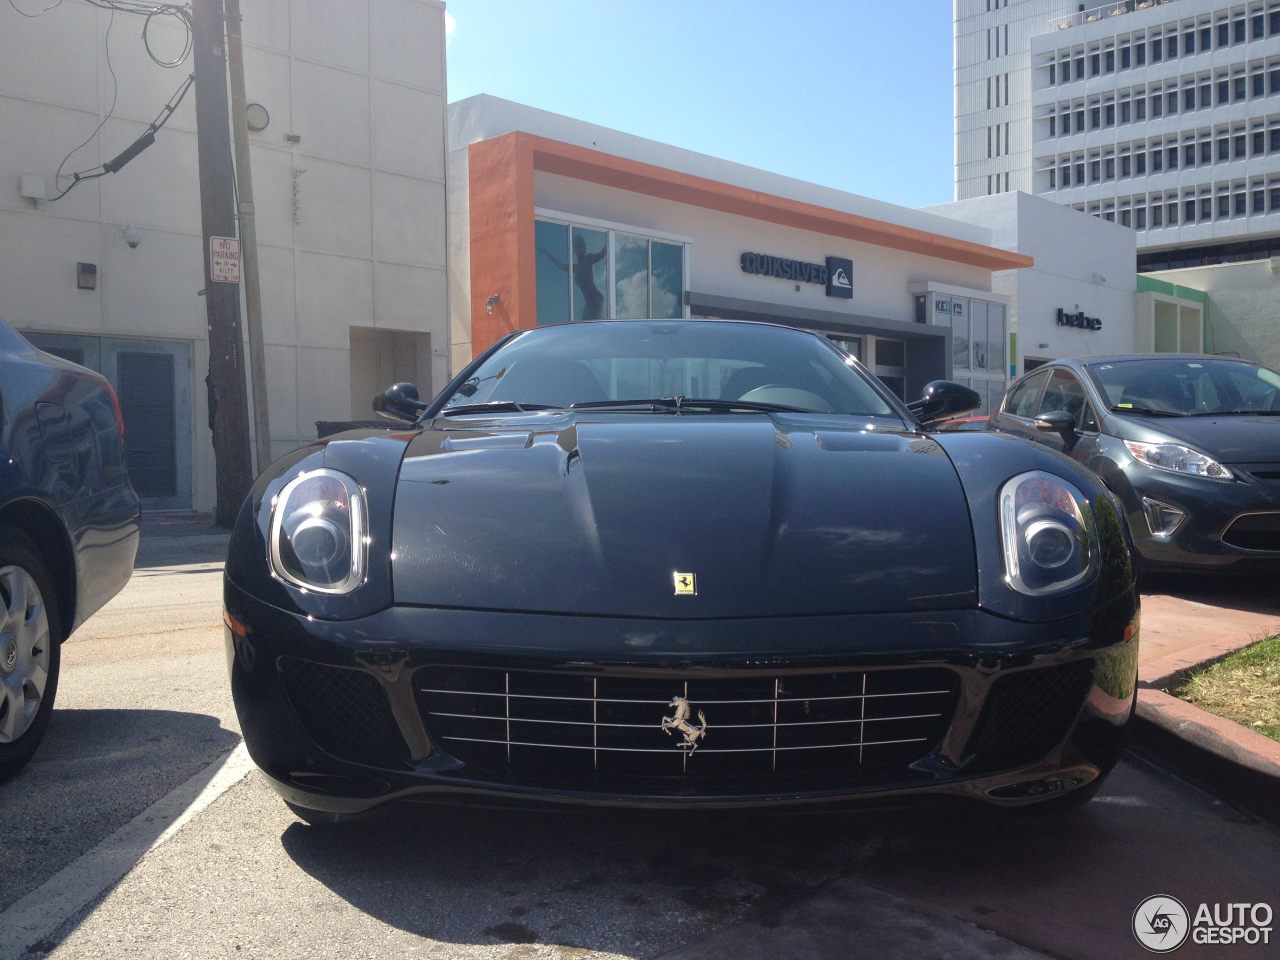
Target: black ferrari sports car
x=678, y=563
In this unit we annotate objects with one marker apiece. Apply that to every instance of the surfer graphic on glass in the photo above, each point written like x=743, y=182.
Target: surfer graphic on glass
x=588, y=272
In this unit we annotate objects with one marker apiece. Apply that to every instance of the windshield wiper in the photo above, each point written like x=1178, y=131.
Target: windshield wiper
x=1147, y=412
x=682, y=403
x=1234, y=413
x=496, y=406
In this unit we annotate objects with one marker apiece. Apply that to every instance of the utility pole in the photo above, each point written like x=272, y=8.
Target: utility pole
x=228, y=410
x=248, y=240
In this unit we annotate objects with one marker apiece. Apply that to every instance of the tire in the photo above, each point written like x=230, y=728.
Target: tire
x=30, y=650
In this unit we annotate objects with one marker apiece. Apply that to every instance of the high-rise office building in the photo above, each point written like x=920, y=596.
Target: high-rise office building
x=1161, y=115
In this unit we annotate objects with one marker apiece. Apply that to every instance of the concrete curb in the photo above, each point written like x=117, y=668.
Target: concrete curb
x=1231, y=761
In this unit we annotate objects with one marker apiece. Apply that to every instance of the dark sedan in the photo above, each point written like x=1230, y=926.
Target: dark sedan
x=678, y=563
x=68, y=526
x=1190, y=445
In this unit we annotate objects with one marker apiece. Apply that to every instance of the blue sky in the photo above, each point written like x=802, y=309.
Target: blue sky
x=854, y=95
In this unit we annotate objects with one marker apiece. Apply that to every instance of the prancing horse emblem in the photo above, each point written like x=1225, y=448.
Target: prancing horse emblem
x=693, y=732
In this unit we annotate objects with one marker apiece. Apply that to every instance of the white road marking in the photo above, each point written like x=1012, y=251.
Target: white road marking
x=49, y=906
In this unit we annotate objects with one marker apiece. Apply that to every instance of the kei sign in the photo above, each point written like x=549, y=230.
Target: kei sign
x=224, y=259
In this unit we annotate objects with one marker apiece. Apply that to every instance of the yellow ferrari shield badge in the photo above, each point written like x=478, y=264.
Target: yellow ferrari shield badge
x=686, y=584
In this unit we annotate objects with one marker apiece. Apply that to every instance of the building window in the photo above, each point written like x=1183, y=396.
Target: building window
x=1079, y=171
x=1124, y=111
x=1171, y=213
x=1080, y=67
x=1273, y=80
x=1171, y=102
x=1238, y=146
x=1171, y=45
x=1206, y=39
x=1206, y=208
x=1157, y=160
x=1095, y=171
x=1206, y=151
x=1189, y=211
x=1095, y=64
x=1095, y=118
x=1256, y=26
x=1259, y=146
x=1259, y=200
x=1066, y=123
x=1224, y=34
x=1124, y=166
x=1237, y=31
x=1140, y=108
x=1238, y=203
x=1125, y=58
x=1224, y=148
x=1189, y=98
x=1273, y=135
x=1275, y=198
x=1080, y=120
x=1224, y=91
x=575, y=265
x=1157, y=216
x=1053, y=125
x=1157, y=50
x=1124, y=218
x=1111, y=168
x=1111, y=114
x=1273, y=22
x=1188, y=155
x=1259, y=83
x=1171, y=157
x=1110, y=61
x=1051, y=71
x=1157, y=105
x=1206, y=95
x=1224, y=206
x=1189, y=42
x=1140, y=54
x=1140, y=164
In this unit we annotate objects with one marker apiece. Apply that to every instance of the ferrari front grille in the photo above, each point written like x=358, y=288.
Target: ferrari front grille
x=687, y=729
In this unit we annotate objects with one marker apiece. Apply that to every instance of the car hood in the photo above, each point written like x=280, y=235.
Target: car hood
x=1237, y=439
x=771, y=516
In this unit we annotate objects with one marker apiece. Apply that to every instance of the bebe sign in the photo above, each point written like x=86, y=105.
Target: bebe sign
x=1078, y=320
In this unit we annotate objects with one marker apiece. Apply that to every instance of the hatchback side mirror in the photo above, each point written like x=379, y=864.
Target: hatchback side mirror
x=942, y=400
x=399, y=402
x=1059, y=422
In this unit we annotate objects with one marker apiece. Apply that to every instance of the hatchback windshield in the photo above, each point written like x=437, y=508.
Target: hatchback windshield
x=1183, y=386
x=708, y=365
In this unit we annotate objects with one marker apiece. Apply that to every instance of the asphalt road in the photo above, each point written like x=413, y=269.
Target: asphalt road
x=144, y=731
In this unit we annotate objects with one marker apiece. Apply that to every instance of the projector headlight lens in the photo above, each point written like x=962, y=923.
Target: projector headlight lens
x=1050, y=539
x=318, y=534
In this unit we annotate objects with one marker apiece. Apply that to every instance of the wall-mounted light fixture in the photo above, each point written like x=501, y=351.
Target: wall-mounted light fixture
x=256, y=117
x=131, y=236
x=490, y=302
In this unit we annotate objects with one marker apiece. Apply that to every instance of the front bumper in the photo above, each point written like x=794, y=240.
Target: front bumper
x=1211, y=507
x=394, y=754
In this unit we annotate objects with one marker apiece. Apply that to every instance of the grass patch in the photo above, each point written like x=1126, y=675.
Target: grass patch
x=1244, y=687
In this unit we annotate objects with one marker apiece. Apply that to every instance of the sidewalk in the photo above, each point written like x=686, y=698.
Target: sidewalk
x=172, y=539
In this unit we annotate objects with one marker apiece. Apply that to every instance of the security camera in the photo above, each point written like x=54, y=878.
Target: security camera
x=132, y=237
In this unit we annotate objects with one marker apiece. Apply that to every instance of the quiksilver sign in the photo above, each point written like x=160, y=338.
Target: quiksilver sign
x=1078, y=320
x=836, y=274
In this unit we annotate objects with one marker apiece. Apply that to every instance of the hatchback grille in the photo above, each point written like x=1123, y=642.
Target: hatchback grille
x=1254, y=531
x=548, y=726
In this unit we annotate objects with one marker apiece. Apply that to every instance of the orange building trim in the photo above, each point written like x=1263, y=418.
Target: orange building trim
x=501, y=174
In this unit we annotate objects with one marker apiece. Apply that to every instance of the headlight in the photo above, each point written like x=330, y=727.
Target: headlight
x=1179, y=459
x=318, y=532
x=1050, y=540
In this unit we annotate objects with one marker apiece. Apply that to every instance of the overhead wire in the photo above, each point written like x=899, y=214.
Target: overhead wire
x=32, y=16
x=150, y=11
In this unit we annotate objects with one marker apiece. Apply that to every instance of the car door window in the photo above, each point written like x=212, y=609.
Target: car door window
x=1021, y=401
x=1065, y=392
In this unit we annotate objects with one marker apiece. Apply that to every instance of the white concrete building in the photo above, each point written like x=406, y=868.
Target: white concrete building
x=1083, y=269
x=1161, y=116
x=969, y=291
x=349, y=177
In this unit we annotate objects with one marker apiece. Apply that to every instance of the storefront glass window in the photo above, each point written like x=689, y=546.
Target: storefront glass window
x=978, y=333
x=995, y=340
x=631, y=272
x=552, y=242
x=590, y=273
x=667, y=283
x=960, y=341
x=578, y=279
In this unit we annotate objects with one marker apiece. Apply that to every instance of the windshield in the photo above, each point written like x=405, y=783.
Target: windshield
x=597, y=364
x=1182, y=386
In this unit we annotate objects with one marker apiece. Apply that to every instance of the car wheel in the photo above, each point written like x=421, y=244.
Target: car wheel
x=30, y=647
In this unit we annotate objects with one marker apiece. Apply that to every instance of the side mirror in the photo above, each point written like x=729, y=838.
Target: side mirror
x=399, y=402
x=942, y=400
x=1059, y=422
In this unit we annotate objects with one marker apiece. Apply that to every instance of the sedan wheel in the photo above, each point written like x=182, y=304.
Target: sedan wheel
x=28, y=654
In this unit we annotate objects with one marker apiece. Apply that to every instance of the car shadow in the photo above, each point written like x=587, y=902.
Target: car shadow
x=1250, y=589
x=589, y=879
x=94, y=772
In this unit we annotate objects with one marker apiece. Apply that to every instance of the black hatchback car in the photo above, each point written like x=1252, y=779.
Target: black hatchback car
x=1190, y=445
x=68, y=526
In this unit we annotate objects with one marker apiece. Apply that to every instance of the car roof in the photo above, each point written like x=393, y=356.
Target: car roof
x=1123, y=357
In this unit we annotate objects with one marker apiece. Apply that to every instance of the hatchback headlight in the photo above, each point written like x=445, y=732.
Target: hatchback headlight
x=1179, y=459
x=318, y=534
x=1050, y=539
